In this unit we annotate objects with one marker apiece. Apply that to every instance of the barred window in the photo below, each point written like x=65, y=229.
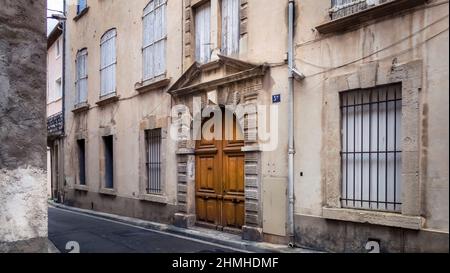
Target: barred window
x=203, y=33
x=81, y=77
x=230, y=26
x=371, y=148
x=108, y=63
x=153, y=145
x=154, y=39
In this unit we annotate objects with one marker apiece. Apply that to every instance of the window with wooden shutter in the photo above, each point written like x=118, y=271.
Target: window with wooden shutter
x=203, y=33
x=108, y=63
x=82, y=76
x=154, y=39
x=230, y=26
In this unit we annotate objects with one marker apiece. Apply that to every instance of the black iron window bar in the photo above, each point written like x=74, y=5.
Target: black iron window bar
x=370, y=156
x=153, y=163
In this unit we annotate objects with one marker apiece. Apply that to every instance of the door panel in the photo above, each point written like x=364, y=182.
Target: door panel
x=207, y=173
x=220, y=195
x=207, y=190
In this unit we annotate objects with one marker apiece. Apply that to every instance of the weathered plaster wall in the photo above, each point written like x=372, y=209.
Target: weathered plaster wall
x=54, y=72
x=23, y=201
x=125, y=119
x=421, y=34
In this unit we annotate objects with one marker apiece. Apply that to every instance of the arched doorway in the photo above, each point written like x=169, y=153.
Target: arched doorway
x=220, y=191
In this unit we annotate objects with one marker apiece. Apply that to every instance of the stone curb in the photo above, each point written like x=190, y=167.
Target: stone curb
x=52, y=248
x=228, y=240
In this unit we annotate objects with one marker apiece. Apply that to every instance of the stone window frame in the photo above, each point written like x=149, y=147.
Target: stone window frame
x=153, y=123
x=105, y=132
x=189, y=28
x=250, y=93
x=77, y=186
x=371, y=75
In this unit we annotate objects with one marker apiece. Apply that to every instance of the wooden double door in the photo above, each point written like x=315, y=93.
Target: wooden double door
x=220, y=197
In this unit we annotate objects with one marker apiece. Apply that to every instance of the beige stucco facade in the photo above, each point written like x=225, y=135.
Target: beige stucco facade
x=125, y=119
x=368, y=55
x=54, y=75
x=55, y=158
x=409, y=47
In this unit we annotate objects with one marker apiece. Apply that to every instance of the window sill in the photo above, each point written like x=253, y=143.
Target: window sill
x=150, y=85
x=81, y=188
x=161, y=199
x=374, y=217
x=80, y=108
x=81, y=14
x=356, y=19
x=110, y=192
x=54, y=100
x=108, y=99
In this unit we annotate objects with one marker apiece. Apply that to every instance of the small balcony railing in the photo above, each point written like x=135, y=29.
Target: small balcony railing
x=342, y=8
x=55, y=125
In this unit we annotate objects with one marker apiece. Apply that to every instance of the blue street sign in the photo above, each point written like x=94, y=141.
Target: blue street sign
x=276, y=98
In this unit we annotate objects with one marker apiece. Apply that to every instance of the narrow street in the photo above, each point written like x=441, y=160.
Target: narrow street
x=96, y=235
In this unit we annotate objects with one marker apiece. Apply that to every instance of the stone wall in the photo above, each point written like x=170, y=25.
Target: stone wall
x=23, y=214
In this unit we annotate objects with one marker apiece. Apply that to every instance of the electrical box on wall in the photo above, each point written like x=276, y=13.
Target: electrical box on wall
x=274, y=206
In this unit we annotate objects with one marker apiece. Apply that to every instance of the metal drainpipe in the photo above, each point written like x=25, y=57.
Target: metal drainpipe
x=64, y=84
x=291, y=148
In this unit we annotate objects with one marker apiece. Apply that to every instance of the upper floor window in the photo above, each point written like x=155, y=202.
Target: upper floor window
x=82, y=76
x=230, y=26
x=203, y=33
x=82, y=4
x=108, y=63
x=154, y=39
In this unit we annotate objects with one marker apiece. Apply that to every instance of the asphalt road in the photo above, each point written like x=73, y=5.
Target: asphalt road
x=97, y=235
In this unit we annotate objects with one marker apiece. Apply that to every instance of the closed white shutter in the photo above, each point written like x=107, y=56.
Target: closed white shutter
x=108, y=63
x=154, y=39
x=203, y=33
x=230, y=26
x=81, y=82
x=371, y=148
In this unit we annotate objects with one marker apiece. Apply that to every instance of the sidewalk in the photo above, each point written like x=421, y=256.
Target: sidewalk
x=198, y=233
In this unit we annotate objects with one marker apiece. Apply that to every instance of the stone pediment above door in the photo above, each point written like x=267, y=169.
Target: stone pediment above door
x=224, y=70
